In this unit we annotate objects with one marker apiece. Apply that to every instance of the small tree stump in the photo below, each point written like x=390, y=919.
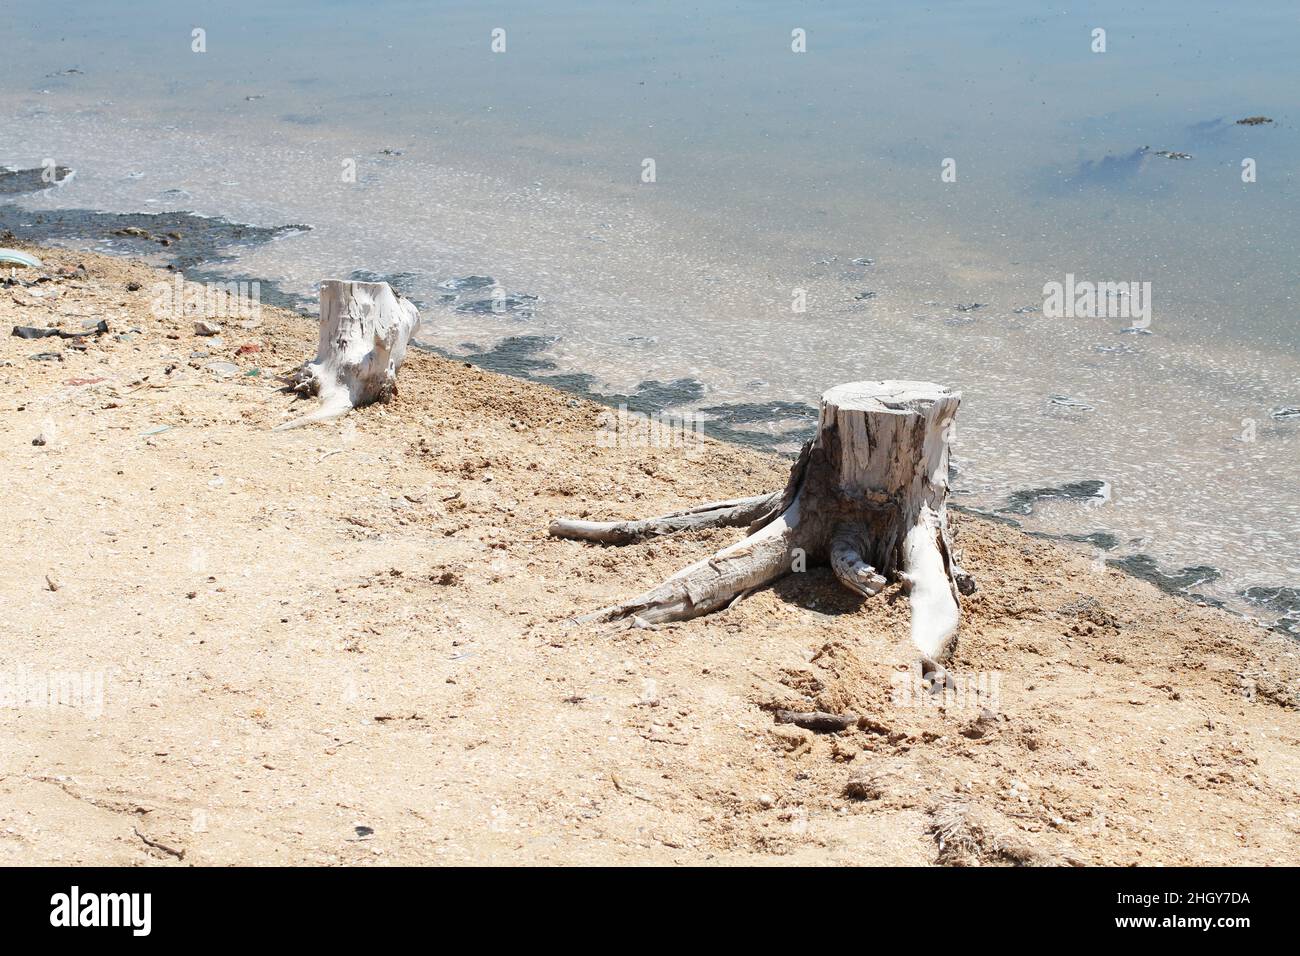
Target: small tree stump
x=867, y=496
x=364, y=331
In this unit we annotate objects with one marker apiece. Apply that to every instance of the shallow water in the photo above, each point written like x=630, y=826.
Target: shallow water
x=775, y=171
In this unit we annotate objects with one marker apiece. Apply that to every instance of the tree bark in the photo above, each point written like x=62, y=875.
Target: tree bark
x=364, y=331
x=867, y=496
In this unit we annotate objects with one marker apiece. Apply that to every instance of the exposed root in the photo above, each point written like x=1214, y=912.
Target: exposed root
x=305, y=379
x=335, y=405
x=935, y=611
x=713, y=584
x=737, y=512
x=848, y=565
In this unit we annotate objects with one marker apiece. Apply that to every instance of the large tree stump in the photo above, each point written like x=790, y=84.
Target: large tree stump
x=364, y=331
x=867, y=496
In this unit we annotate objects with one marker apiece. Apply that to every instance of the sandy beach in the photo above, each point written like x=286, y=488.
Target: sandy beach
x=350, y=643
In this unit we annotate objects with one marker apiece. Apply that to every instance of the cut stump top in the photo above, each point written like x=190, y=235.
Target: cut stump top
x=888, y=397
x=373, y=289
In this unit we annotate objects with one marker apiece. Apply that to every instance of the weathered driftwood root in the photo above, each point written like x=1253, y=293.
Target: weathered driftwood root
x=713, y=583
x=735, y=513
x=867, y=496
x=364, y=331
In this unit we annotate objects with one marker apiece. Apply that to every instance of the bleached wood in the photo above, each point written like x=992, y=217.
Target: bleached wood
x=713, y=583
x=886, y=444
x=365, y=328
x=717, y=514
x=848, y=565
x=867, y=496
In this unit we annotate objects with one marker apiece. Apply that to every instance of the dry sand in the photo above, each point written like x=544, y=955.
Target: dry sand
x=362, y=625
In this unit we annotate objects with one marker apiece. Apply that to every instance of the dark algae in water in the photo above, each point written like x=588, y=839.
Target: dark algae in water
x=15, y=181
x=1282, y=601
x=1171, y=582
x=1023, y=502
x=190, y=239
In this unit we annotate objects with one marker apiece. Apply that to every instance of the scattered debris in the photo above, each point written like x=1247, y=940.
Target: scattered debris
x=157, y=845
x=136, y=232
x=13, y=257
x=969, y=834
x=203, y=327
x=31, y=332
x=1064, y=401
x=865, y=784
x=1089, y=609
x=985, y=724
x=1254, y=121
x=816, y=720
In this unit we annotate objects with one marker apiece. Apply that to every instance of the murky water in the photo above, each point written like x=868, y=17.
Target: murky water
x=799, y=230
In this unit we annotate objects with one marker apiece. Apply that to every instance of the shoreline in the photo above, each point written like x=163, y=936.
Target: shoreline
x=359, y=627
x=216, y=241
